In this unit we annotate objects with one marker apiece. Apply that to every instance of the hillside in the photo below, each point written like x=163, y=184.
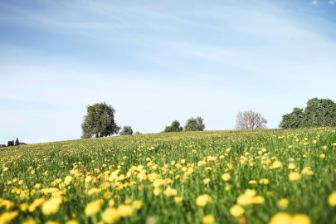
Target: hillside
x=191, y=177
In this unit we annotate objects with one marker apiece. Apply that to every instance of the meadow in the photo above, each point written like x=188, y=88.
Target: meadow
x=253, y=177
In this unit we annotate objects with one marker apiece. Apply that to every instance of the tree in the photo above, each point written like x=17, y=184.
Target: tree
x=250, y=120
x=99, y=121
x=317, y=113
x=292, y=120
x=173, y=127
x=126, y=130
x=194, y=124
x=17, y=142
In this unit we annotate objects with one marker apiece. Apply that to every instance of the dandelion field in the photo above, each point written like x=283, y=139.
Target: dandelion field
x=271, y=176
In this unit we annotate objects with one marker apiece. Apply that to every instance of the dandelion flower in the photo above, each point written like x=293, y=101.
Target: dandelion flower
x=203, y=200
x=208, y=219
x=281, y=218
x=51, y=206
x=237, y=211
x=93, y=207
x=125, y=210
x=7, y=217
x=67, y=180
x=72, y=221
x=283, y=203
x=226, y=176
x=110, y=215
x=294, y=176
x=332, y=199
x=300, y=219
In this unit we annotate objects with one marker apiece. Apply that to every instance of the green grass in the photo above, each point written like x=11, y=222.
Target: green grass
x=182, y=161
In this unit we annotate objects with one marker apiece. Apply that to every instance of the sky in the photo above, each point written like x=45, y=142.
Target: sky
x=157, y=61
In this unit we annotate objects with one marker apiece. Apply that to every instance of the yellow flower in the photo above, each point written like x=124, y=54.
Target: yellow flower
x=284, y=218
x=7, y=217
x=203, y=200
x=29, y=221
x=206, y=180
x=252, y=182
x=322, y=155
x=237, y=211
x=291, y=166
x=332, y=199
x=93, y=207
x=257, y=200
x=294, y=176
x=157, y=191
x=51, y=222
x=125, y=210
x=300, y=219
x=276, y=164
x=178, y=200
x=72, y=221
x=281, y=218
x=36, y=203
x=67, y=180
x=169, y=192
x=307, y=171
x=208, y=219
x=264, y=181
x=226, y=176
x=51, y=206
x=137, y=204
x=110, y=215
x=283, y=203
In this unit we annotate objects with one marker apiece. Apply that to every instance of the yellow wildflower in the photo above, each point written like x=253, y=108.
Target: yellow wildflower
x=294, y=176
x=281, y=218
x=283, y=203
x=300, y=219
x=72, y=221
x=332, y=199
x=169, y=192
x=226, y=176
x=93, y=207
x=110, y=215
x=51, y=206
x=29, y=221
x=208, y=219
x=67, y=180
x=7, y=217
x=125, y=210
x=237, y=211
x=203, y=200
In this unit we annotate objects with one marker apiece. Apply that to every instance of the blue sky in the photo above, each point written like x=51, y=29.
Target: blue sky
x=156, y=61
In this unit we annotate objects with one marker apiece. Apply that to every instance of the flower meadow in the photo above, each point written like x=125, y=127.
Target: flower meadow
x=271, y=176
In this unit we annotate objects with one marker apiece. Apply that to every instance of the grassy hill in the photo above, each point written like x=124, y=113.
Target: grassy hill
x=194, y=177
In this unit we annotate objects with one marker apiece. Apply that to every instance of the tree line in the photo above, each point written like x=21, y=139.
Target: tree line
x=99, y=120
x=13, y=143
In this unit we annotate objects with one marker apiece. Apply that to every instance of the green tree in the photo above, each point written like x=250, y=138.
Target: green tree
x=99, y=121
x=194, y=124
x=293, y=119
x=173, y=127
x=126, y=130
x=317, y=113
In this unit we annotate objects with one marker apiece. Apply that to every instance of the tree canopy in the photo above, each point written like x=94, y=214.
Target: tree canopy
x=194, y=124
x=250, y=120
x=317, y=113
x=99, y=121
x=126, y=130
x=173, y=127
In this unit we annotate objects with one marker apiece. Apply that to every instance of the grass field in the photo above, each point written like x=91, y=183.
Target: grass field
x=198, y=177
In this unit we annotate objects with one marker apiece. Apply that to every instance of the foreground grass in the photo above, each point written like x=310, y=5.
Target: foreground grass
x=208, y=177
